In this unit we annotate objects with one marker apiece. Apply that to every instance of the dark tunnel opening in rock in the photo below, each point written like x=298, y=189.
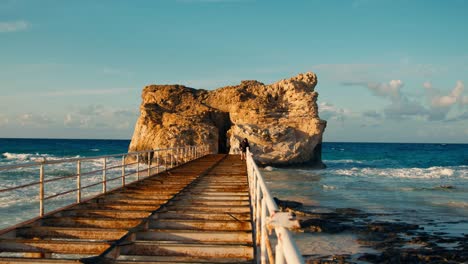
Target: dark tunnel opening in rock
x=222, y=121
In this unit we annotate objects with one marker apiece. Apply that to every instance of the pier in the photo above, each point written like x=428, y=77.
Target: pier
x=183, y=206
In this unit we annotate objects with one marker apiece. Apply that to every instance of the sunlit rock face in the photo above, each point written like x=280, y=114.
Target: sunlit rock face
x=280, y=120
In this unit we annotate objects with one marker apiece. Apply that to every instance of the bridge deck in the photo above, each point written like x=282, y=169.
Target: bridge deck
x=197, y=212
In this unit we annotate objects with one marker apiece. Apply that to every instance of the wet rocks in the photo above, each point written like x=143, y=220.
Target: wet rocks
x=396, y=241
x=285, y=204
x=323, y=225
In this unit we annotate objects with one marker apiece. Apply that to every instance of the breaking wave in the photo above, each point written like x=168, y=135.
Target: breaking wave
x=437, y=172
x=30, y=157
x=455, y=204
x=27, y=156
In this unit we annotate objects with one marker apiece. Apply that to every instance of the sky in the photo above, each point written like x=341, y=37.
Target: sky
x=388, y=70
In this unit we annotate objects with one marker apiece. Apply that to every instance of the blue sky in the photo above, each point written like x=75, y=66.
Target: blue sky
x=388, y=71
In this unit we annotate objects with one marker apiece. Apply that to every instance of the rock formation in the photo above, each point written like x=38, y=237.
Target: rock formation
x=280, y=120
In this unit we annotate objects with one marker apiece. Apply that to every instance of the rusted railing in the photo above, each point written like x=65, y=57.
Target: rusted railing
x=80, y=174
x=267, y=217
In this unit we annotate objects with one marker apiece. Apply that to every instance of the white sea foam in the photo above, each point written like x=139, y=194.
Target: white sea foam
x=328, y=187
x=21, y=201
x=456, y=204
x=18, y=156
x=28, y=156
x=343, y=161
x=412, y=173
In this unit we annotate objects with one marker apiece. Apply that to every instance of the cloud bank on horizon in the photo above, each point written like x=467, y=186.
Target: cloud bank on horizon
x=405, y=106
x=13, y=26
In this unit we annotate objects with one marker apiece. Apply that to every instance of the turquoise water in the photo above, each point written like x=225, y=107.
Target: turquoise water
x=423, y=184
x=400, y=178
x=20, y=205
x=407, y=182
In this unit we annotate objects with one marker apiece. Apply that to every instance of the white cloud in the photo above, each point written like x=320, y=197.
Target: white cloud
x=461, y=117
x=465, y=100
x=91, y=110
x=68, y=120
x=438, y=100
x=372, y=114
x=13, y=26
x=427, y=85
x=99, y=116
x=76, y=121
x=330, y=112
x=34, y=120
x=405, y=108
x=390, y=90
x=4, y=120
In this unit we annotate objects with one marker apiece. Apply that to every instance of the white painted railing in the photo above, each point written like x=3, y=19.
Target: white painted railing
x=79, y=177
x=267, y=216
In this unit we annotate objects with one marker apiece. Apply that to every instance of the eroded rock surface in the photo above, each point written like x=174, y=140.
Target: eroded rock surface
x=280, y=120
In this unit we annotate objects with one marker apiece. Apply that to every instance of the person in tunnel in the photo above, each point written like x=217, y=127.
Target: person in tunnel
x=244, y=144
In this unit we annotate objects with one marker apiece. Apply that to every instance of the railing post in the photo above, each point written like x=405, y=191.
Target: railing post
x=172, y=156
x=123, y=171
x=149, y=163
x=254, y=196
x=179, y=155
x=138, y=166
x=78, y=181
x=279, y=254
x=104, y=176
x=41, y=190
x=182, y=150
x=264, y=236
x=157, y=161
x=258, y=212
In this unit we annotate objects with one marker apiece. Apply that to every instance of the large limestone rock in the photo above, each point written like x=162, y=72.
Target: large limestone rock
x=280, y=120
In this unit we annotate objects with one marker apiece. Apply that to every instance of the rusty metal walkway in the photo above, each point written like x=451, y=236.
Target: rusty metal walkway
x=198, y=212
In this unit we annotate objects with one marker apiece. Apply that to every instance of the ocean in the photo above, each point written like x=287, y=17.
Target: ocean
x=424, y=184
x=420, y=184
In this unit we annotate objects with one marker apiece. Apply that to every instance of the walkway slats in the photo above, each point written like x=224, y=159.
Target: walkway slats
x=208, y=222
x=197, y=212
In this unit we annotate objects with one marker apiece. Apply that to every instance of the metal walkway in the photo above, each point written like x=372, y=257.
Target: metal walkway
x=197, y=212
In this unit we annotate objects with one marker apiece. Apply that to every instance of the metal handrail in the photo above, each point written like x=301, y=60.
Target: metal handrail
x=265, y=214
x=47, y=162
x=146, y=162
